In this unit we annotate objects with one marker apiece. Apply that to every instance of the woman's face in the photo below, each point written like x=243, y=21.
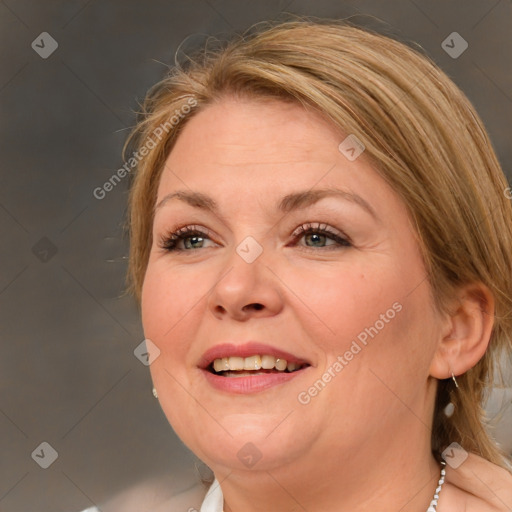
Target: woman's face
x=348, y=296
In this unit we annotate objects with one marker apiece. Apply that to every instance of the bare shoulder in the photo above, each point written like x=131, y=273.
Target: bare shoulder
x=476, y=485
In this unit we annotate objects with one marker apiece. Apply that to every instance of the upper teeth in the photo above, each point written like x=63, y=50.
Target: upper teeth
x=253, y=363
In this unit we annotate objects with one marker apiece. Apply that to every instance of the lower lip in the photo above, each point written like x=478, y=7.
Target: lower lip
x=249, y=384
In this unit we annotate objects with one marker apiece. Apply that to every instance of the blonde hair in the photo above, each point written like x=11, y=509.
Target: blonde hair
x=423, y=137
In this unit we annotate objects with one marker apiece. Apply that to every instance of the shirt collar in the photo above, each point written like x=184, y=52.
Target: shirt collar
x=214, y=499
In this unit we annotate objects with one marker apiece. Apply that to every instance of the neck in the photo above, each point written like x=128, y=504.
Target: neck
x=392, y=474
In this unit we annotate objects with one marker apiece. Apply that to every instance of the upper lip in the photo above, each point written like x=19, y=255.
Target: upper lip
x=247, y=349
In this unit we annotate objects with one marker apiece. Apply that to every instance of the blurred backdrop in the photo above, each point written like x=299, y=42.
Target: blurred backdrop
x=73, y=395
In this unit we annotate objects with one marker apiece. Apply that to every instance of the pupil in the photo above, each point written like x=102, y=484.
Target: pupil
x=317, y=236
x=191, y=240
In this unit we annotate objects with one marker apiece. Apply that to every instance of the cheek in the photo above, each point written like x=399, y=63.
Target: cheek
x=384, y=309
x=170, y=305
x=339, y=304
x=169, y=296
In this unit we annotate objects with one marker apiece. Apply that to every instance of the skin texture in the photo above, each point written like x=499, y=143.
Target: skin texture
x=363, y=442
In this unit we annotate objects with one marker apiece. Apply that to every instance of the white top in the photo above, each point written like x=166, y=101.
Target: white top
x=214, y=499
x=140, y=498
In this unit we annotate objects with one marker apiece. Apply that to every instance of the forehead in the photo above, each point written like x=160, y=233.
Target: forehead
x=243, y=150
x=247, y=131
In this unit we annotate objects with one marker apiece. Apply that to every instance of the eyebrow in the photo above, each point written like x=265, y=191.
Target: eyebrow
x=290, y=202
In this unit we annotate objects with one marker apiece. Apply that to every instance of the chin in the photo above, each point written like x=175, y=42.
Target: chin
x=247, y=455
x=242, y=444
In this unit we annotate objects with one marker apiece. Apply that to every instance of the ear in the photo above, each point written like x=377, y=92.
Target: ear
x=466, y=333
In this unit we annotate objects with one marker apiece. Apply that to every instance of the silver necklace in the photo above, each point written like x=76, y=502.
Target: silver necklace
x=433, y=504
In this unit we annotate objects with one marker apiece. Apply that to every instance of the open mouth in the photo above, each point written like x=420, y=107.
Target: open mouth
x=252, y=366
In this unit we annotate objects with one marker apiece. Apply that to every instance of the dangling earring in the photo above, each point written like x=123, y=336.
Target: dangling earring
x=450, y=408
x=155, y=394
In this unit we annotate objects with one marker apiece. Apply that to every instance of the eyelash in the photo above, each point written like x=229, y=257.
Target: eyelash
x=170, y=241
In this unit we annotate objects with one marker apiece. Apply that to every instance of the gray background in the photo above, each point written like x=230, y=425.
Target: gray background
x=68, y=374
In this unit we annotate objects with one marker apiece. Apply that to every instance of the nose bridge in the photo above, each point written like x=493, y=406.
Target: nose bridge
x=244, y=266
x=246, y=282
x=249, y=249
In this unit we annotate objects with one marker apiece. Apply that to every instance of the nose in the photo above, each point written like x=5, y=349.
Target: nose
x=245, y=290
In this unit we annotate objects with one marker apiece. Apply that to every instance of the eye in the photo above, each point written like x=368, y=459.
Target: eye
x=319, y=234
x=191, y=236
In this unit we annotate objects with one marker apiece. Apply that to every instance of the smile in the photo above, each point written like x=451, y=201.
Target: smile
x=253, y=365
x=249, y=367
